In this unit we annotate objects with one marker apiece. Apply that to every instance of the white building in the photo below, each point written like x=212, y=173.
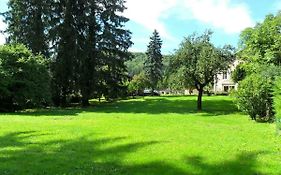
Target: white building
x=223, y=82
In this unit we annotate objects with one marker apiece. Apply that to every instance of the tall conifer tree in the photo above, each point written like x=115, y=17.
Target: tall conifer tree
x=154, y=63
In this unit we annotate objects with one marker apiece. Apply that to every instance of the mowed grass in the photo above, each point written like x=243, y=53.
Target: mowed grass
x=150, y=136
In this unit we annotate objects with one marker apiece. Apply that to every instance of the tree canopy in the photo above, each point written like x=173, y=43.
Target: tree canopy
x=262, y=43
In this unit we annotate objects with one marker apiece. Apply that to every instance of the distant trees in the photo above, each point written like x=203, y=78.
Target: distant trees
x=153, y=65
x=199, y=61
x=138, y=84
x=24, y=78
x=135, y=65
x=85, y=41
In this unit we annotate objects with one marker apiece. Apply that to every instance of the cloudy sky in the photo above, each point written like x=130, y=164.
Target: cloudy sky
x=175, y=19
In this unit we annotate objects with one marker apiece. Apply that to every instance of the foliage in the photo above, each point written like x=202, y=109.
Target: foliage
x=239, y=73
x=153, y=65
x=27, y=19
x=138, y=84
x=135, y=66
x=277, y=102
x=86, y=41
x=24, y=78
x=255, y=93
x=262, y=43
x=200, y=61
x=260, y=50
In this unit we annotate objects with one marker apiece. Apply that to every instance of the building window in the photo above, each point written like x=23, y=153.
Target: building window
x=224, y=75
x=226, y=88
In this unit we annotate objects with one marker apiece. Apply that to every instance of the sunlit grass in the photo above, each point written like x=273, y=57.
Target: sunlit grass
x=150, y=136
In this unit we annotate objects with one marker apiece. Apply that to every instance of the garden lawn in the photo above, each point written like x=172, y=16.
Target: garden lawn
x=150, y=136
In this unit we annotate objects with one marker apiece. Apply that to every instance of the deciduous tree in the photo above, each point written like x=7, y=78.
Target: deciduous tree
x=200, y=61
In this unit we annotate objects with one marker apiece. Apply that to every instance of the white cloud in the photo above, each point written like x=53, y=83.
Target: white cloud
x=220, y=14
x=149, y=12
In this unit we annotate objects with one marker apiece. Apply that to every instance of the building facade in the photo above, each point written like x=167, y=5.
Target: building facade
x=223, y=82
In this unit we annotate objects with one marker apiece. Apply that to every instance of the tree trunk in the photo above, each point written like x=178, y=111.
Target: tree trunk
x=85, y=102
x=199, y=99
x=85, y=97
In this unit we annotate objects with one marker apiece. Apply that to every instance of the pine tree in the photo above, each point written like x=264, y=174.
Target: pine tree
x=87, y=40
x=114, y=44
x=64, y=66
x=27, y=24
x=153, y=65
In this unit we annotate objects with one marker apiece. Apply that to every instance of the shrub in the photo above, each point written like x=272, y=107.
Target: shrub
x=254, y=96
x=24, y=78
x=277, y=102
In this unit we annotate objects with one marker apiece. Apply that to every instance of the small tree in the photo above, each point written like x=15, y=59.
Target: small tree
x=200, y=61
x=153, y=65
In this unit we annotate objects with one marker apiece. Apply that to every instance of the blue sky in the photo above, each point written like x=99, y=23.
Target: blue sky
x=175, y=19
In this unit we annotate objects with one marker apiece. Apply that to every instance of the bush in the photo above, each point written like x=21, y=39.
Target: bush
x=254, y=96
x=24, y=78
x=277, y=102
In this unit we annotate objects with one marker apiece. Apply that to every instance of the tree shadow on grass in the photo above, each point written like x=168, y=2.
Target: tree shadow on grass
x=156, y=105
x=81, y=156
x=103, y=156
x=245, y=163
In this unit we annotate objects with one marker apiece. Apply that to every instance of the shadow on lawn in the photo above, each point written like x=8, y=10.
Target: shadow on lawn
x=157, y=105
x=84, y=157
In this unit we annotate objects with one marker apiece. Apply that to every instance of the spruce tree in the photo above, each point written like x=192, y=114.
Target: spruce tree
x=27, y=24
x=89, y=28
x=65, y=62
x=114, y=44
x=154, y=62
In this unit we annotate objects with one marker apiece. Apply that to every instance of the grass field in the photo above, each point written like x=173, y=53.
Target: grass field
x=151, y=136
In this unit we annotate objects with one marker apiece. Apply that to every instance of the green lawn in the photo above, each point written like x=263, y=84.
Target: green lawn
x=151, y=136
